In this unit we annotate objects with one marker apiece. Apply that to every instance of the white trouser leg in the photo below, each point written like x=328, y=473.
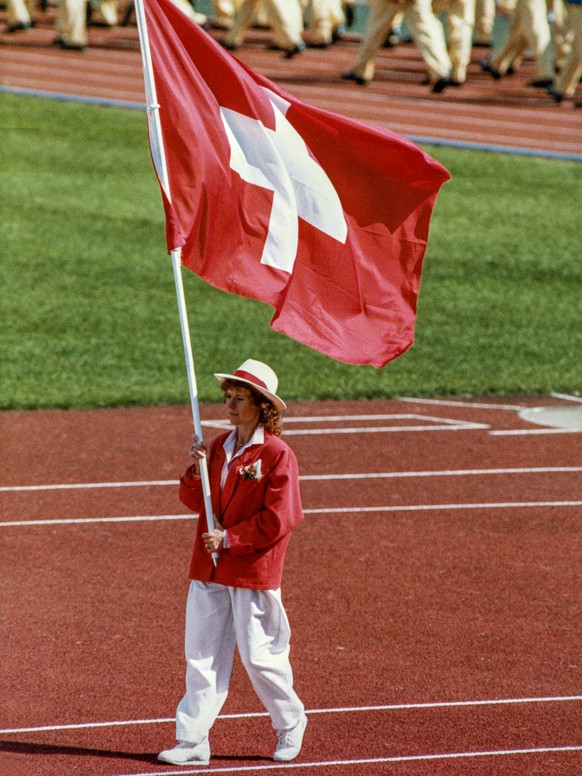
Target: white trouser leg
x=214, y=614
x=209, y=646
x=263, y=634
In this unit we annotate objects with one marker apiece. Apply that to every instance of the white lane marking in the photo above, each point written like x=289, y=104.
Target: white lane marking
x=80, y=520
x=532, y=431
x=437, y=507
x=332, y=710
x=320, y=511
x=307, y=478
x=453, y=403
x=426, y=423
x=568, y=397
x=368, y=761
x=90, y=485
x=444, y=473
x=224, y=424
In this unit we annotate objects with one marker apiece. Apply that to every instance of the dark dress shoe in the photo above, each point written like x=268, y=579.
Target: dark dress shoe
x=349, y=76
x=298, y=49
x=553, y=92
x=19, y=26
x=486, y=68
x=226, y=44
x=63, y=44
x=440, y=85
x=541, y=83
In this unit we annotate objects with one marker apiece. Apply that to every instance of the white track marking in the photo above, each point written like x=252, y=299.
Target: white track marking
x=434, y=424
x=438, y=507
x=369, y=761
x=568, y=397
x=472, y=405
x=91, y=485
x=321, y=511
x=80, y=520
x=531, y=431
x=333, y=710
x=344, y=418
x=444, y=473
x=306, y=478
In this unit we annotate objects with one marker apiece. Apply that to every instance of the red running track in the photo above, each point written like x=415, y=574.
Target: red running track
x=506, y=114
x=433, y=590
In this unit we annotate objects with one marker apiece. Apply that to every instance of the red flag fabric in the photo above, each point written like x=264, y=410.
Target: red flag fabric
x=320, y=216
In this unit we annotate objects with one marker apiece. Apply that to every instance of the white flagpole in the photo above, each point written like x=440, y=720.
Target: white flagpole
x=157, y=147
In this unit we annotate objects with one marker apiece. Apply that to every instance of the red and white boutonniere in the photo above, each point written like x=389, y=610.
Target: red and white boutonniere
x=252, y=471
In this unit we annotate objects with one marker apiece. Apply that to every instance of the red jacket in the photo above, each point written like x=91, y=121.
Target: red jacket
x=258, y=514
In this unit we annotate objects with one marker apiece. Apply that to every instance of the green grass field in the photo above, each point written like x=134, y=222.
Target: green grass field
x=87, y=306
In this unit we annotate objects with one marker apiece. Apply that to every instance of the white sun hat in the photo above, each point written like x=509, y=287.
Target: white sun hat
x=259, y=376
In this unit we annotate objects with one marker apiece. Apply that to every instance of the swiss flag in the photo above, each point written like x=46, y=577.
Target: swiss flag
x=322, y=217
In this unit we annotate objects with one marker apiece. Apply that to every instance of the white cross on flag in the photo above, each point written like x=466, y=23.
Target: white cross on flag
x=320, y=216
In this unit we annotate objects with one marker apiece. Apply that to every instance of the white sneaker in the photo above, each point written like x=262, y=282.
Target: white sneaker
x=187, y=753
x=289, y=741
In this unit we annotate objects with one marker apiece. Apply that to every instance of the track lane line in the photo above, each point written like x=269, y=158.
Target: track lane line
x=305, y=478
x=331, y=710
x=367, y=761
x=315, y=511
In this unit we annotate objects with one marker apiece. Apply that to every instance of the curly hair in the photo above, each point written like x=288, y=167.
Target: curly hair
x=269, y=417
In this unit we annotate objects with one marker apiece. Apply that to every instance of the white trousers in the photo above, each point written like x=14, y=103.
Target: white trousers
x=217, y=619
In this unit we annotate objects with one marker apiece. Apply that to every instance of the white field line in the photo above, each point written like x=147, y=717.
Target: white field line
x=321, y=511
x=425, y=423
x=443, y=473
x=343, y=418
x=333, y=710
x=369, y=761
x=387, y=429
x=81, y=520
x=568, y=397
x=438, y=507
x=529, y=432
x=470, y=404
x=307, y=478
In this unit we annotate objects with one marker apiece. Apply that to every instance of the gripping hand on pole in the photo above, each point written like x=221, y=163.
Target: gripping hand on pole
x=214, y=538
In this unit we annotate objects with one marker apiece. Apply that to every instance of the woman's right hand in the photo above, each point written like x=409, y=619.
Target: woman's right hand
x=197, y=449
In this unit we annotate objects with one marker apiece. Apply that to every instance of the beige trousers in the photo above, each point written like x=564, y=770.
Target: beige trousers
x=562, y=34
x=286, y=18
x=72, y=21
x=20, y=11
x=426, y=30
x=326, y=16
x=529, y=30
x=460, y=23
x=571, y=72
x=484, y=20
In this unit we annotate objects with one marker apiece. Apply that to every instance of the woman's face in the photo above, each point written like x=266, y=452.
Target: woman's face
x=241, y=409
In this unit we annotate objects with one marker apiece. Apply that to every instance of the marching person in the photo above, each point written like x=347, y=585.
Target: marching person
x=326, y=20
x=427, y=33
x=484, y=21
x=254, y=486
x=529, y=30
x=460, y=22
x=569, y=76
x=285, y=16
x=20, y=15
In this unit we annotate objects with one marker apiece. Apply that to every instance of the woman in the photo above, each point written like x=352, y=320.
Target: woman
x=256, y=503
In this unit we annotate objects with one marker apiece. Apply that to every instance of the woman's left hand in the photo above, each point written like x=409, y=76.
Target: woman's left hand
x=214, y=540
